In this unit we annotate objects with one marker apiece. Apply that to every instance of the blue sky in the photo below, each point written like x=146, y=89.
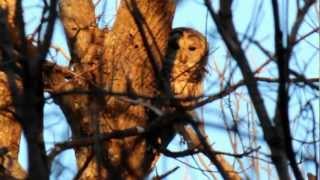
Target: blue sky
x=192, y=13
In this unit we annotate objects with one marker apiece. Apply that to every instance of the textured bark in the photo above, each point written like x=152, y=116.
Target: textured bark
x=116, y=60
x=10, y=129
x=22, y=68
x=10, y=133
x=9, y=7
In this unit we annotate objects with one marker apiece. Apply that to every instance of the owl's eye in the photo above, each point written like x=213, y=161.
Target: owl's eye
x=192, y=48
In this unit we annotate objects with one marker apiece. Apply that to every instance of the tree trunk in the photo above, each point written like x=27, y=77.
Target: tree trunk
x=116, y=61
x=10, y=133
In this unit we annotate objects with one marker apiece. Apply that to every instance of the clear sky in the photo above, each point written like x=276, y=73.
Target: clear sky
x=191, y=13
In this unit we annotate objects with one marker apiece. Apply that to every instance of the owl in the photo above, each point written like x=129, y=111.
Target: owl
x=184, y=65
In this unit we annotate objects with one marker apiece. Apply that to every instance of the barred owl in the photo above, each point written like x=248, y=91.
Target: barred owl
x=185, y=62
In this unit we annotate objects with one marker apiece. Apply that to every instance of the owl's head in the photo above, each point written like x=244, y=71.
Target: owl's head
x=189, y=49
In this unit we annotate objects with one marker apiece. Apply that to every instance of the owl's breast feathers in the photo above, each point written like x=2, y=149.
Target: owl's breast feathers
x=186, y=59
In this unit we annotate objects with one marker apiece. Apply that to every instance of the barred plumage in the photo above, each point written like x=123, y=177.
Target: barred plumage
x=185, y=62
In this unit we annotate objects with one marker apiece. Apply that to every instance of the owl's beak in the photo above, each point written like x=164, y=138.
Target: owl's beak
x=183, y=58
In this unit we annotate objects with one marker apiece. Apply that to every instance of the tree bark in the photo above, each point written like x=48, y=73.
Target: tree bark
x=10, y=129
x=10, y=133
x=117, y=61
